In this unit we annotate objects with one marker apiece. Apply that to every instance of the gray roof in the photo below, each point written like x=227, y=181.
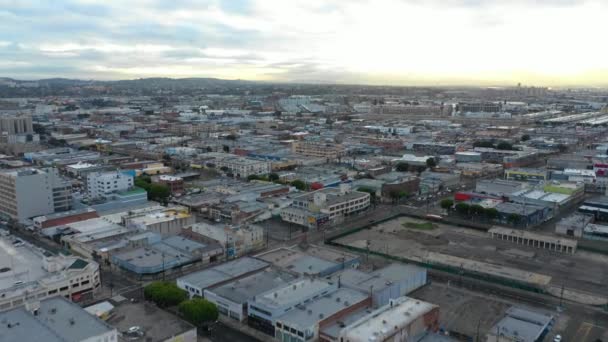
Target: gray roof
x=516, y=208
x=242, y=290
x=58, y=320
x=218, y=274
x=526, y=325
x=379, y=279
x=304, y=316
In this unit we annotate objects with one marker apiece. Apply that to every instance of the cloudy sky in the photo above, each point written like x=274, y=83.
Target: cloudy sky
x=436, y=42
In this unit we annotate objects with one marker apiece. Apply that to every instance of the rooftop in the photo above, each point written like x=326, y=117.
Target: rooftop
x=244, y=289
x=294, y=292
x=147, y=317
x=57, y=320
x=226, y=271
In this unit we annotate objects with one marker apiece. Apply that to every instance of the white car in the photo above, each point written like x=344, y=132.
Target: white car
x=557, y=338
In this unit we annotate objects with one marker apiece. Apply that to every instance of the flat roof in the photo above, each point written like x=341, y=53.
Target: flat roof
x=401, y=312
x=534, y=236
x=58, y=320
x=380, y=278
x=24, y=263
x=523, y=324
x=299, y=262
x=304, y=316
x=293, y=292
x=244, y=289
x=158, y=325
x=226, y=271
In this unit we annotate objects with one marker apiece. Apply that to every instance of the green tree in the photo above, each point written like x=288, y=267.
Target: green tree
x=198, y=311
x=476, y=209
x=504, y=145
x=298, y=184
x=525, y=137
x=226, y=148
x=462, y=208
x=491, y=213
x=431, y=163
x=513, y=219
x=165, y=293
x=447, y=204
x=483, y=143
x=224, y=168
x=273, y=177
x=370, y=191
x=252, y=177
x=402, y=167
x=158, y=192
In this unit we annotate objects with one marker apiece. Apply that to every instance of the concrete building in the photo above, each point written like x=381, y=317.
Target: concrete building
x=53, y=320
x=173, y=183
x=100, y=184
x=520, y=325
x=316, y=261
x=65, y=217
x=236, y=240
x=303, y=323
x=32, y=274
x=27, y=193
x=168, y=221
x=573, y=225
x=231, y=298
x=335, y=203
x=468, y=157
x=499, y=187
x=168, y=254
x=242, y=167
x=534, y=240
x=523, y=214
x=266, y=308
x=526, y=175
x=196, y=283
x=401, y=320
x=317, y=149
x=390, y=282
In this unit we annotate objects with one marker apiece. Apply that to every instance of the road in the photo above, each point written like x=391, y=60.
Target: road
x=221, y=333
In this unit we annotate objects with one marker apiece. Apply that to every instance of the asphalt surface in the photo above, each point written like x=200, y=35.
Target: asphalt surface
x=223, y=333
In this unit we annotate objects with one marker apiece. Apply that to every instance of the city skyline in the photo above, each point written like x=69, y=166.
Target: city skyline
x=389, y=42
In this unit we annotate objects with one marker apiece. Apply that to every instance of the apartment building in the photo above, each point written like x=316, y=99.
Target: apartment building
x=100, y=184
x=27, y=193
x=317, y=149
x=243, y=167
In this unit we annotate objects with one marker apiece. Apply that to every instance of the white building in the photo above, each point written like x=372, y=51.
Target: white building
x=32, y=274
x=104, y=183
x=27, y=193
x=244, y=167
x=236, y=241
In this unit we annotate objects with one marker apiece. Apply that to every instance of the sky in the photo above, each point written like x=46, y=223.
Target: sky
x=393, y=42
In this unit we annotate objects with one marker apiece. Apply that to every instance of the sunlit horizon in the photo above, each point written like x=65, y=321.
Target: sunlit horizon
x=387, y=42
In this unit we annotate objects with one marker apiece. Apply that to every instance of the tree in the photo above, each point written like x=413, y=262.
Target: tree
x=273, y=177
x=232, y=137
x=252, y=177
x=525, y=137
x=513, y=218
x=224, y=168
x=431, y=163
x=447, y=204
x=298, y=184
x=476, y=209
x=504, y=145
x=198, y=311
x=402, y=167
x=158, y=192
x=370, y=191
x=226, y=148
x=483, y=143
x=165, y=293
x=462, y=208
x=491, y=213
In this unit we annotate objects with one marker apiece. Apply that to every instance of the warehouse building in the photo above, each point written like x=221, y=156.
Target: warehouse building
x=534, y=240
x=520, y=325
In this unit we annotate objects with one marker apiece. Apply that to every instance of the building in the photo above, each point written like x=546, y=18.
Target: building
x=401, y=320
x=573, y=225
x=468, y=157
x=27, y=193
x=499, y=187
x=242, y=167
x=173, y=183
x=236, y=240
x=196, y=283
x=332, y=202
x=100, y=184
x=526, y=175
x=390, y=282
x=523, y=214
x=479, y=107
x=148, y=322
x=534, y=240
x=167, y=221
x=266, y=308
x=168, y=254
x=39, y=276
x=317, y=149
x=303, y=323
x=520, y=325
x=53, y=320
x=63, y=218
x=231, y=298
x=314, y=261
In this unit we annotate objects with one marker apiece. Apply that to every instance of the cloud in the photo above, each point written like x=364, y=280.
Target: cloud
x=360, y=41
